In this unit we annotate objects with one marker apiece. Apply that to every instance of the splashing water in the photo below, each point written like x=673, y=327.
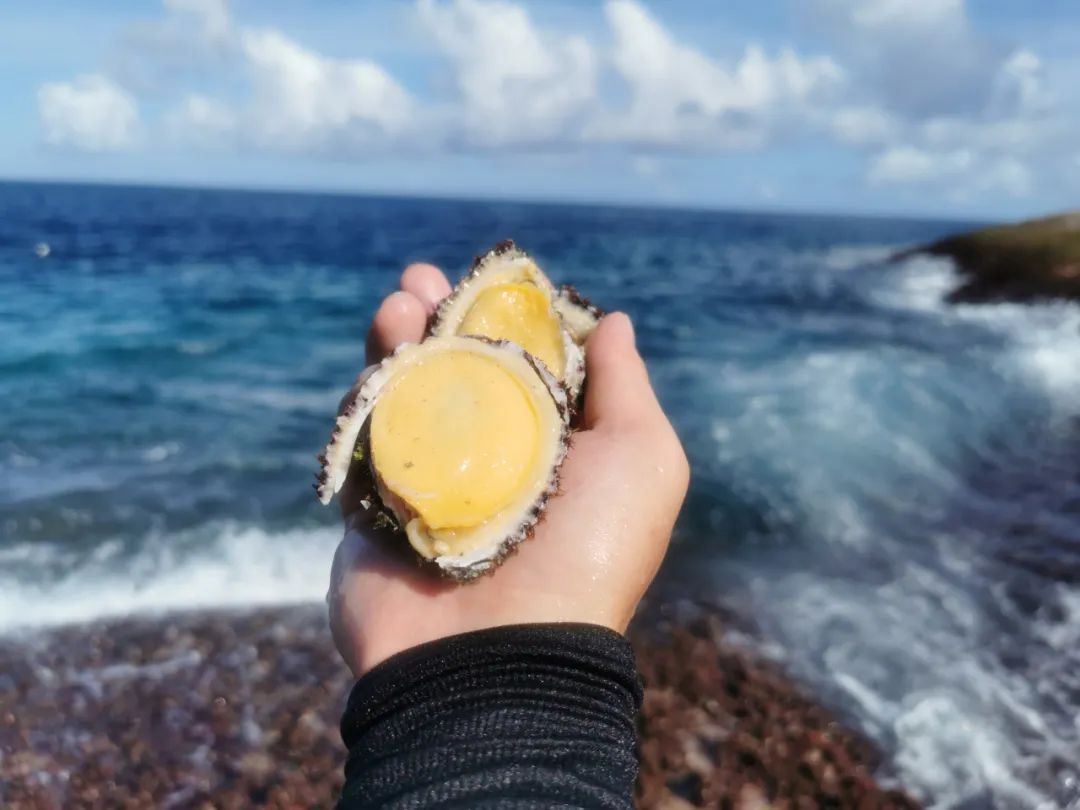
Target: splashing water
x=887, y=485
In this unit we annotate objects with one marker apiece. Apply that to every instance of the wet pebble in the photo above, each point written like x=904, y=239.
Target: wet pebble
x=240, y=709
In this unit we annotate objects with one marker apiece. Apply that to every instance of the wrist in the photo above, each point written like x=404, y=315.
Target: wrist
x=379, y=646
x=384, y=639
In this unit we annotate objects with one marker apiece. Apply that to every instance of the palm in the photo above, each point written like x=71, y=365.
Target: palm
x=590, y=558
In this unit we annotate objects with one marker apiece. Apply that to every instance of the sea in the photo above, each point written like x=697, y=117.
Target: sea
x=886, y=486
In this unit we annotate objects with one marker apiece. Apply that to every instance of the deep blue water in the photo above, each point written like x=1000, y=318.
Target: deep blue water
x=886, y=486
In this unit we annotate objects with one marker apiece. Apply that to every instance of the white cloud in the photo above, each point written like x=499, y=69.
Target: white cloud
x=285, y=97
x=1018, y=86
x=201, y=121
x=923, y=59
x=516, y=84
x=192, y=43
x=1022, y=136
x=1005, y=174
x=304, y=100
x=872, y=14
x=861, y=125
x=911, y=86
x=91, y=113
x=917, y=57
x=966, y=114
x=963, y=171
x=211, y=16
x=908, y=164
x=680, y=97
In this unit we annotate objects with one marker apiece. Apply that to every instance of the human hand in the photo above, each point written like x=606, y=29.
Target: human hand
x=596, y=548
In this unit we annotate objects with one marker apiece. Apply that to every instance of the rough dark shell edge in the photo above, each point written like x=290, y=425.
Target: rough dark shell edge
x=527, y=527
x=500, y=249
x=570, y=292
x=524, y=529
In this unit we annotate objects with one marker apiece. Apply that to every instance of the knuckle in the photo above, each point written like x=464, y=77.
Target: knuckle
x=663, y=444
x=684, y=468
x=677, y=458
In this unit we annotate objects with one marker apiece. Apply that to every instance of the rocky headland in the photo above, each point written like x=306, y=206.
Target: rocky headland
x=1029, y=261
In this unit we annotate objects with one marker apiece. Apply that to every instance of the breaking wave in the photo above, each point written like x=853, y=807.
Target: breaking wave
x=223, y=566
x=885, y=484
x=914, y=539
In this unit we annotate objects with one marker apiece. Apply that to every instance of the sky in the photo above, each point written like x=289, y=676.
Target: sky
x=918, y=107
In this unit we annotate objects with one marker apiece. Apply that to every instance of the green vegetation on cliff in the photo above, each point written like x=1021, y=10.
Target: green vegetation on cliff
x=1038, y=259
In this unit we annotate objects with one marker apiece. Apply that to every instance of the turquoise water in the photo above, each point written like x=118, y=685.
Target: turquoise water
x=886, y=486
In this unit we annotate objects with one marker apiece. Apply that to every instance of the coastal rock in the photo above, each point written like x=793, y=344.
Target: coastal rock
x=1034, y=260
x=722, y=728
x=240, y=709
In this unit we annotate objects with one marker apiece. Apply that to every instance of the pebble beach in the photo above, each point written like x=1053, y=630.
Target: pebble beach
x=240, y=709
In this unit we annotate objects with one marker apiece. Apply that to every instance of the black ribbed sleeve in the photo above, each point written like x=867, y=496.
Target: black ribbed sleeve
x=526, y=716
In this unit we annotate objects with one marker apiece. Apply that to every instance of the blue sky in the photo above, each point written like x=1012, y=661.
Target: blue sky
x=935, y=107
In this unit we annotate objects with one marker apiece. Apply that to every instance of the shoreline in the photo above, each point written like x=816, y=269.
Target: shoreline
x=1032, y=261
x=235, y=708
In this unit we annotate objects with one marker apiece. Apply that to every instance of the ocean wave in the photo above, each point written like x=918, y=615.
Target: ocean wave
x=884, y=483
x=1041, y=340
x=919, y=283
x=961, y=725
x=853, y=257
x=245, y=395
x=235, y=566
x=900, y=466
x=1044, y=339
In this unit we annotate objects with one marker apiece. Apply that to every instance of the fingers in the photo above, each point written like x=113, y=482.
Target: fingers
x=403, y=315
x=401, y=318
x=427, y=283
x=618, y=391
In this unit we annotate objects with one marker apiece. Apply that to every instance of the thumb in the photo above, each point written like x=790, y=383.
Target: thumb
x=617, y=390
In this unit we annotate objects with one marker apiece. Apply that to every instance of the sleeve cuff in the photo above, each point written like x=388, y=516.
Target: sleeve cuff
x=528, y=711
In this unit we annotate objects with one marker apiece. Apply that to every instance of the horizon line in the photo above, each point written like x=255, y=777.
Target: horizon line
x=687, y=207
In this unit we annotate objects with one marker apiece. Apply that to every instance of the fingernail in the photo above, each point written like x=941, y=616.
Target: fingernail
x=626, y=325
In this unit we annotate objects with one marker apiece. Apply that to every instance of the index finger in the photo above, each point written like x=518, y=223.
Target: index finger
x=427, y=283
x=401, y=318
x=618, y=391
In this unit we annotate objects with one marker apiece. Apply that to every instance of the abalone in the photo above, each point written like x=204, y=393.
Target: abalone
x=506, y=296
x=460, y=439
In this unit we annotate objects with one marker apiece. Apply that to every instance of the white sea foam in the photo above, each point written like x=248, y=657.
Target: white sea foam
x=909, y=649
x=241, y=566
x=850, y=257
x=919, y=283
x=961, y=729
x=159, y=452
x=243, y=395
x=198, y=347
x=1042, y=340
x=955, y=754
x=905, y=646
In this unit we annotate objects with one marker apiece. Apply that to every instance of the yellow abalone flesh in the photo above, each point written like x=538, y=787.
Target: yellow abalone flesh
x=506, y=296
x=461, y=439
